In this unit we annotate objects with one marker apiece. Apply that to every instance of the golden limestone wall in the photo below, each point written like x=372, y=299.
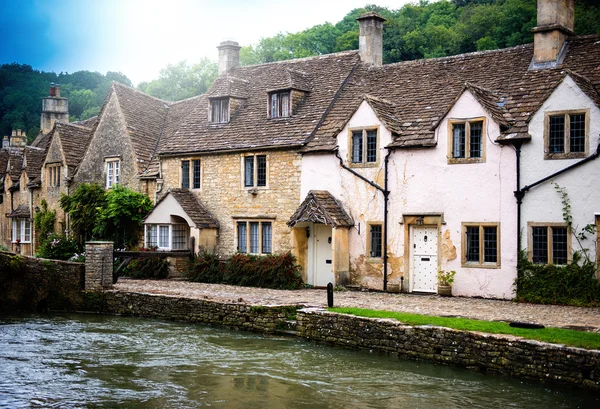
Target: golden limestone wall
x=224, y=195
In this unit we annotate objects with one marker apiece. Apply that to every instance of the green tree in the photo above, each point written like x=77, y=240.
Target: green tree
x=181, y=81
x=84, y=207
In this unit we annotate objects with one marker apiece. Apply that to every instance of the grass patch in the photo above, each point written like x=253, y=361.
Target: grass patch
x=579, y=339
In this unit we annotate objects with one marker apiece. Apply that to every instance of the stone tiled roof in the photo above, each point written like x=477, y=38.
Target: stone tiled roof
x=33, y=161
x=88, y=123
x=193, y=208
x=43, y=141
x=74, y=140
x=228, y=86
x=250, y=127
x=4, y=155
x=22, y=212
x=423, y=91
x=321, y=207
x=15, y=166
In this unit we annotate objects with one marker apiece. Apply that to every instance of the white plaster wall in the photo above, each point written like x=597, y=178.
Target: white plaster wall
x=542, y=203
x=422, y=181
x=165, y=209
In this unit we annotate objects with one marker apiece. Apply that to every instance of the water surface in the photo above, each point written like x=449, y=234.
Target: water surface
x=89, y=361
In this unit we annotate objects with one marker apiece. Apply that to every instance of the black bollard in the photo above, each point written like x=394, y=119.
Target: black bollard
x=330, y=295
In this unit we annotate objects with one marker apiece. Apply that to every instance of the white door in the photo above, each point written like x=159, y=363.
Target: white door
x=323, y=260
x=424, y=259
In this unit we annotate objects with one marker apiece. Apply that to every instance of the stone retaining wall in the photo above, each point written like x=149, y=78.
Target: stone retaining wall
x=263, y=319
x=503, y=354
x=36, y=284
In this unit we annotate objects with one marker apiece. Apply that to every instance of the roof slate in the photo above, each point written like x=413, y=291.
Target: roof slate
x=423, y=91
x=22, y=212
x=193, y=207
x=250, y=128
x=33, y=161
x=320, y=206
x=74, y=140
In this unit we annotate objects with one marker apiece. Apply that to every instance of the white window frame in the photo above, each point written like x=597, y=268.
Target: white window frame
x=113, y=172
x=278, y=109
x=19, y=230
x=158, y=227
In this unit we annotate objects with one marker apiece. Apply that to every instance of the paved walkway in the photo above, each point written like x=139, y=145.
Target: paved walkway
x=493, y=310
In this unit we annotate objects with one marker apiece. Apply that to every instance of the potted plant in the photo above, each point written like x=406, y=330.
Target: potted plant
x=445, y=280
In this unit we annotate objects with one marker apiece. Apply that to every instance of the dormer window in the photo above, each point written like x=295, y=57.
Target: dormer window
x=280, y=104
x=219, y=110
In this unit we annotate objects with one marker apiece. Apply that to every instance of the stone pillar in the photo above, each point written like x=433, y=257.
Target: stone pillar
x=98, y=265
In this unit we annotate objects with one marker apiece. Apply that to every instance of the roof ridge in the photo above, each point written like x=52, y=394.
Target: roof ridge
x=59, y=124
x=183, y=100
x=141, y=92
x=294, y=60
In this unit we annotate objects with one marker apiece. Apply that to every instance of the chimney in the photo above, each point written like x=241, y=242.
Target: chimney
x=229, y=56
x=555, y=21
x=370, y=40
x=5, y=142
x=18, y=139
x=54, y=109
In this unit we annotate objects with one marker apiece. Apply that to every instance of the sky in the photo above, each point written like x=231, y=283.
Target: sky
x=139, y=37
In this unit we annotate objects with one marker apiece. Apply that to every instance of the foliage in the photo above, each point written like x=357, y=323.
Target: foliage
x=44, y=221
x=58, y=247
x=423, y=30
x=148, y=268
x=580, y=339
x=446, y=277
x=121, y=219
x=181, y=81
x=572, y=284
x=271, y=271
x=84, y=206
x=4, y=248
x=114, y=215
x=22, y=87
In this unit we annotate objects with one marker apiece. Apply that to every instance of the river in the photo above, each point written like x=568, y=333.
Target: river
x=92, y=361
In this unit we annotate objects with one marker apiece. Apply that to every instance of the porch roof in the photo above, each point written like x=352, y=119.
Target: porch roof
x=21, y=212
x=321, y=207
x=193, y=208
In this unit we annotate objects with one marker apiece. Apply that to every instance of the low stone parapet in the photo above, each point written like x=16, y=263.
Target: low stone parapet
x=494, y=353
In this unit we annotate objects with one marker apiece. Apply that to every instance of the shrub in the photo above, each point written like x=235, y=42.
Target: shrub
x=147, y=268
x=572, y=284
x=271, y=271
x=57, y=247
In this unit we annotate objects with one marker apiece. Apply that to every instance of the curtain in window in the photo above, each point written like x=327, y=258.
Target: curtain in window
x=357, y=148
x=266, y=238
x=274, y=106
x=163, y=237
x=254, y=237
x=249, y=171
x=241, y=236
x=458, y=140
x=285, y=104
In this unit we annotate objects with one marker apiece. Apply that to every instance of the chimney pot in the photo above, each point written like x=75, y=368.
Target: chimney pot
x=370, y=40
x=229, y=56
x=18, y=132
x=14, y=133
x=57, y=90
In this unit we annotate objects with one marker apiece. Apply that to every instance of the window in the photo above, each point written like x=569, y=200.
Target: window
x=481, y=245
x=113, y=172
x=254, y=237
x=375, y=242
x=363, y=146
x=190, y=174
x=549, y=243
x=279, y=104
x=255, y=170
x=565, y=135
x=21, y=230
x=167, y=236
x=467, y=141
x=54, y=175
x=219, y=111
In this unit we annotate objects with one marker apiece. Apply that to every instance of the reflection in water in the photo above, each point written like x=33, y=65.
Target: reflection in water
x=96, y=361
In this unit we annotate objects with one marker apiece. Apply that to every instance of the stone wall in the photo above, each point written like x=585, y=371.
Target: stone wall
x=263, y=319
x=224, y=195
x=33, y=284
x=98, y=265
x=503, y=354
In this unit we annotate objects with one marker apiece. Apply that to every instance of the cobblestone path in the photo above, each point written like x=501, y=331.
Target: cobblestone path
x=493, y=310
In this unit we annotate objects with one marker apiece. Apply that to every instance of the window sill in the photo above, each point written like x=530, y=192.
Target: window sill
x=363, y=165
x=456, y=161
x=554, y=156
x=374, y=260
x=477, y=265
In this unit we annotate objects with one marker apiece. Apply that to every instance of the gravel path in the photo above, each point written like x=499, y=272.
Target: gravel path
x=493, y=310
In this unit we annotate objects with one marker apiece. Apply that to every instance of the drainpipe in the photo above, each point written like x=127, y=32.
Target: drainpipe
x=520, y=193
x=386, y=194
x=519, y=196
